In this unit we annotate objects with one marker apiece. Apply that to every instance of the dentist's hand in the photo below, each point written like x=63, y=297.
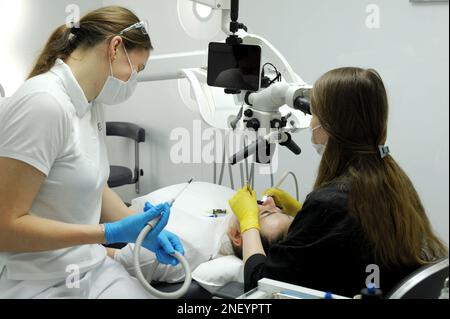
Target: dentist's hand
x=148, y=206
x=286, y=202
x=245, y=207
x=165, y=247
x=128, y=229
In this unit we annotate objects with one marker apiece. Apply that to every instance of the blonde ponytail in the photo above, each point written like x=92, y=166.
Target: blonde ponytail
x=94, y=27
x=58, y=46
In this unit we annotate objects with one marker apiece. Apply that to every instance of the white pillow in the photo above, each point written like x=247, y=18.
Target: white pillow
x=216, y=273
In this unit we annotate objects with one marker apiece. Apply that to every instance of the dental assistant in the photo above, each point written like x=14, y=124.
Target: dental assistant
x=55, y=206
x=363, y=212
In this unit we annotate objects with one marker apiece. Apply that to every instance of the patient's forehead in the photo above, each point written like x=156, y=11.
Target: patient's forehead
x=274, y=223
x=269, y=208
x=274, y=216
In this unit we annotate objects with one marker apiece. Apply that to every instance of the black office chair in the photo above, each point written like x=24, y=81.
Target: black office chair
x=425, y=283
x=120, y=175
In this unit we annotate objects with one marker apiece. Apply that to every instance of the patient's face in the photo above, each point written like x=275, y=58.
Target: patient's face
x=273, y=222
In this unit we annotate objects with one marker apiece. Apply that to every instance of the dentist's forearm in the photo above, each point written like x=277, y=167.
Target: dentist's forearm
x=113, y=208
x=33, y=234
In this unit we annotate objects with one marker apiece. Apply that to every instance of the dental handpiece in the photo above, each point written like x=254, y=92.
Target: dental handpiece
x=146, y=282
x=172, y=201
x=153, y=222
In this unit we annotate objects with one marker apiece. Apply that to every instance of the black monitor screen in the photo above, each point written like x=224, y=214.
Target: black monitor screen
x=234, y=66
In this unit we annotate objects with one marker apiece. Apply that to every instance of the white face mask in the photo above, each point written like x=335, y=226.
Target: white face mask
x=320, y=148
x=116, y=91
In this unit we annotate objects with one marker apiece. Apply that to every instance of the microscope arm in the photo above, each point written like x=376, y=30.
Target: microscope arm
x=282, y=137
x=279, y=94
x=274, y=56
x=293, y=92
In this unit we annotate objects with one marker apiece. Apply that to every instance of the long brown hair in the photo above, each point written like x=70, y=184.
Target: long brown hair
x=95, y=27
x=352, y=106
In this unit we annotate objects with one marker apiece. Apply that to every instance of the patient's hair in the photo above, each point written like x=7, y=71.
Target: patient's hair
x=266, y=243
x=96, y=26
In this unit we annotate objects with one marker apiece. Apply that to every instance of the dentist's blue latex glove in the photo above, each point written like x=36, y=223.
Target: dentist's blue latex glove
x=167, y=244
x=128, y=229
x=148, y=206
x=165, y=247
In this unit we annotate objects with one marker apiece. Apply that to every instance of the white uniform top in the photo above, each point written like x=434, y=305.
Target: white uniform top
x=49, y=124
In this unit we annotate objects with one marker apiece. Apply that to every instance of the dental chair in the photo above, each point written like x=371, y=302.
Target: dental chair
x=425, y=283
x=120, y=175
x=195, y=290
x=231, y=290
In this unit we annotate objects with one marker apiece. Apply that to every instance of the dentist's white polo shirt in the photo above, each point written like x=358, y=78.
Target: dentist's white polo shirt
x=49, y=124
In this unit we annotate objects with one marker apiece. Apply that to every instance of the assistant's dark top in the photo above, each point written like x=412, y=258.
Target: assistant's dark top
x=325, y=249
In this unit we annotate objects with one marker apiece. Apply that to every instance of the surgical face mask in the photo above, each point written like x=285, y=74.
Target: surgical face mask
x=116, y=91
x=320, y=148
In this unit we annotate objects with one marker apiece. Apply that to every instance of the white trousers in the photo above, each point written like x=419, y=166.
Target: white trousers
x=110, y=280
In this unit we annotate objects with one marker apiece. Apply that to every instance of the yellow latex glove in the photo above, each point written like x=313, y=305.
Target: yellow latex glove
x=286, y=202
x=245, y=207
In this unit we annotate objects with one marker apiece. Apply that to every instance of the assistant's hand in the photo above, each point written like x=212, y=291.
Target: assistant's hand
x=245, y=207
x=128, y=229
x=164, y=247
x=286, y=202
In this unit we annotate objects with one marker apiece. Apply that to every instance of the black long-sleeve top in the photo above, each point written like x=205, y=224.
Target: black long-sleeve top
x=325, y=249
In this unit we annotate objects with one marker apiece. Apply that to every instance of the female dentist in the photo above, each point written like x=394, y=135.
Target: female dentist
x=363, y=212
x=54, y=167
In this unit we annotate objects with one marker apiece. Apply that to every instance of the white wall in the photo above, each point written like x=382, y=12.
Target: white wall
x=410, y=50
x=25, y=26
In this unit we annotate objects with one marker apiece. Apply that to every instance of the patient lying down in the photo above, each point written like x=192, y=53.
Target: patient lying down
x=205, y=238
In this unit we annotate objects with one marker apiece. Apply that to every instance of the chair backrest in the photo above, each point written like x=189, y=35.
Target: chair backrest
x=120, y=175
x=425, y=283
x=128, y=130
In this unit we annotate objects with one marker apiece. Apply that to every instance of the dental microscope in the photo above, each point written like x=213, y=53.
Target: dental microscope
x=262, y=91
